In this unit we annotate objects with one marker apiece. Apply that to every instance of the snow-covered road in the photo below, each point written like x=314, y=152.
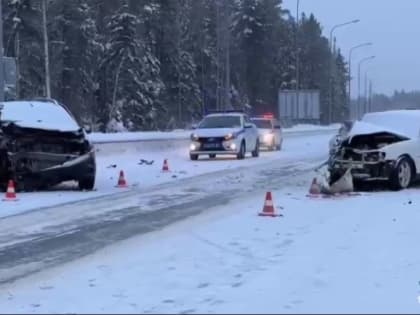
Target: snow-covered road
x=324, y=256
x=113, y=157
x=35, y=237
x=194, y=244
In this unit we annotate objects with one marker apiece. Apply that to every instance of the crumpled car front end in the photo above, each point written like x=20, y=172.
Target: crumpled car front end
x=367, y=155
x=38, y=158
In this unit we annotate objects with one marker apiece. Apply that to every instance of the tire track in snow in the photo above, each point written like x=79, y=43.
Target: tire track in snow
x=59, y=242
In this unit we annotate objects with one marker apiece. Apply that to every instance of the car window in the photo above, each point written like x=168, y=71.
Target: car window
x=262, y=123
x=221, y=122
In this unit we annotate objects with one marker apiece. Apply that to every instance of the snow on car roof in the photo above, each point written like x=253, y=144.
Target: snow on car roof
x=38, y=115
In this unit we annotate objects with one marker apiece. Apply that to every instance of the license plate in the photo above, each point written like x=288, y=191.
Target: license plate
x=211, y=145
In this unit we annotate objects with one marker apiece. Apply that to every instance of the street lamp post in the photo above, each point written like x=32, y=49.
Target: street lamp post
x=297, y=66
x=358, y=79
x=1, y=55
x=330, y=65
x=350, y=69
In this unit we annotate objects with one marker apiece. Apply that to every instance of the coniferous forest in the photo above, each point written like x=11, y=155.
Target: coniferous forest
x=161, y=64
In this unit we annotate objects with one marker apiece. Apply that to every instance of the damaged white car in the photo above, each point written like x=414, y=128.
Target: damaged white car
x=383, y=146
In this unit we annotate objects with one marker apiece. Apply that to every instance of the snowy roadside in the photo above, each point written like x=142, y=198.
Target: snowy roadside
x=185, y=134
x=324, y=256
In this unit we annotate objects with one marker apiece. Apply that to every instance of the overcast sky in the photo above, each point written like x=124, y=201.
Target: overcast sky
x=392, y=26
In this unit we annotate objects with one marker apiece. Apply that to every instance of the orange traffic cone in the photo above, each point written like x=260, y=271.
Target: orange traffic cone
x=268, y=210
x=315, y=189
x=11, y=192
x=122, y=183
x=165, y=167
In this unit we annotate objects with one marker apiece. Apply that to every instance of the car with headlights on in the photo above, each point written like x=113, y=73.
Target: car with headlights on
x=269, y=131
x=225, y=133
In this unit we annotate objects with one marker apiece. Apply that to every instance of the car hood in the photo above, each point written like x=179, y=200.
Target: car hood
x=361, y=128
x=222, y=132
x=38, y=115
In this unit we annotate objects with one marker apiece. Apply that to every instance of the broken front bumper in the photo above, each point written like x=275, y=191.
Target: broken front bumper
x=363, y=170
x=60, y=167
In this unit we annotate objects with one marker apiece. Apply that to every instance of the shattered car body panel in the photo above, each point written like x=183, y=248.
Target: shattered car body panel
x=40, y=157
x=373, y=147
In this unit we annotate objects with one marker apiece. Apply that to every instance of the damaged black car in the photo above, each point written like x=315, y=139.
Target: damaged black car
x=42, y=145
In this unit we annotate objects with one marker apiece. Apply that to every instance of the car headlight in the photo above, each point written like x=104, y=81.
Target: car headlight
x=194, y=137
x=230, y=136
x=194, y=146
x=268, y=137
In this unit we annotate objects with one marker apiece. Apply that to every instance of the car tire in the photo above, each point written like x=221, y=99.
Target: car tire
x=402, y=174
x=87, y=183
x=194, y=157
x=242, y=152
x=272, y=146
x=280, y=146
x=256, y=152
x=212, y=156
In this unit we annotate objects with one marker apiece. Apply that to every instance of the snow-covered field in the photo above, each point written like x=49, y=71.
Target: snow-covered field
x=114, y=157
x=349, y=255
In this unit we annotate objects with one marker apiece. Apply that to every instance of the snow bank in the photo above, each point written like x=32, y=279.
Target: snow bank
x=183, y=134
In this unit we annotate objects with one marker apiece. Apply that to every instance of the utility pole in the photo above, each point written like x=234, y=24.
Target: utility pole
x=297, y=66
x=359, y=79
x=366, y=94
x=330, y=68
x=370, y=95
x=227, y=47
x=46, y=51
x=1, y=56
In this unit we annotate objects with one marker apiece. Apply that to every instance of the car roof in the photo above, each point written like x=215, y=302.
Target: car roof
x=226, y=114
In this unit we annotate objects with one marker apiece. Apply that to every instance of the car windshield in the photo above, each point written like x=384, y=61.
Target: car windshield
x=221, y=122
x=262, y=123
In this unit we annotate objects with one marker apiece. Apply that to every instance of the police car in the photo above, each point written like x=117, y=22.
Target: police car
x=225, y=133
x=270, y=132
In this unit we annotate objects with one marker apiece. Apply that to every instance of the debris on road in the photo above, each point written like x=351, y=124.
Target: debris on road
x=146, y=162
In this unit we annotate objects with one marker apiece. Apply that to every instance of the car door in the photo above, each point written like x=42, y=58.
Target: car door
x=278, y=132
x=251, y=134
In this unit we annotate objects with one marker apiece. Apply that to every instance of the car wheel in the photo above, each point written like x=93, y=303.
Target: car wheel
x=273, y=145
x=87, y=183
x=212, y=156
x=242, y=152
x=256, y=152
x=280, y=146
x=402, y=175
x=194, y=157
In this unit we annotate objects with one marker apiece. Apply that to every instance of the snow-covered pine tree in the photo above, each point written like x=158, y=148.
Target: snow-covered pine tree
x=132, y=73
x=257, y=29
x=181, y=95
x=74, y=50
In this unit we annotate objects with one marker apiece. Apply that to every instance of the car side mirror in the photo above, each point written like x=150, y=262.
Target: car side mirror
x=88, y=129
x=277, y=127
x=194, y=126
x=249, y=126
